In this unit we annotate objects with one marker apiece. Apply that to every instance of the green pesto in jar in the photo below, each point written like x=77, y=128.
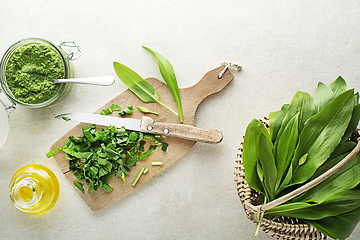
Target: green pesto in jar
x=27, y=70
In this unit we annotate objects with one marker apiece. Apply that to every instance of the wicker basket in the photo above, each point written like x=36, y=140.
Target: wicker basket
x=284, y=227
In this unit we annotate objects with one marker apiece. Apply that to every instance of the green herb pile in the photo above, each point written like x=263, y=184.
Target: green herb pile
x=305, y=139
x=98, y=155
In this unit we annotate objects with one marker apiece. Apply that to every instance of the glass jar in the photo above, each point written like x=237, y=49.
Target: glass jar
x=65, y=57
x=34, y=189
x=5, y=111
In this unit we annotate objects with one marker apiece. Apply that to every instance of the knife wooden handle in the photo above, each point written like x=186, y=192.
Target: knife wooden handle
x=180, y=131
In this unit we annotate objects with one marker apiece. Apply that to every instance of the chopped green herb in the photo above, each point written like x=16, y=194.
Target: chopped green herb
x=113, y=107
x=145, y=110
x=129, y=110
x=142, y=170
x=156, y=120
x=164, y=146
x=52, y=152
x=156, y=163
x=106, y=111
x=79, y=186
x=66, y=119
x=96, y=156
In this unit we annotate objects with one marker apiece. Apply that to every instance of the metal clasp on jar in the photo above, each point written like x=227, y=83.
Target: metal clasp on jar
x=71, y=49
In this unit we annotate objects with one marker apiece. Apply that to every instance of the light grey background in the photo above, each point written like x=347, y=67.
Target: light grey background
x=283, y=46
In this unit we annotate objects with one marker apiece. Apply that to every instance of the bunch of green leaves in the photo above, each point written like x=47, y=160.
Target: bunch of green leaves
x=306, y=138
x=96, y=156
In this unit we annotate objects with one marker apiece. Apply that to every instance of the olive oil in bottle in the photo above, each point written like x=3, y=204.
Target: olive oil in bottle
x=34, y=189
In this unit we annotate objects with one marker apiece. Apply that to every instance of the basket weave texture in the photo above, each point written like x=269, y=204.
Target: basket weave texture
x=283, y=227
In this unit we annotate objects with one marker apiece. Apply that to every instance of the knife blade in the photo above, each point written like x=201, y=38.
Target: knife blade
x=148, y=125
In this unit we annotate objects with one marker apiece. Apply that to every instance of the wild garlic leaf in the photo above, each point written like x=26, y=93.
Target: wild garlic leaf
x=301, y=103
x=250, y=153
x=322, y=96
x=343, y=148
x=286, y=147
x=285, y=182
x=353, y=123
x=338, y=86
x=272, y=118
x=167, y=72
x=336, y=204
x=338, y=227
x=267, y=162
x=356, y=98
x=275, y=121
x=260, y=172
x=138, y=85
x=346, y=178
x=321, y=135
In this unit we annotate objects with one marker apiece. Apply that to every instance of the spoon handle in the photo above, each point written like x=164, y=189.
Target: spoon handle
x=103, y=80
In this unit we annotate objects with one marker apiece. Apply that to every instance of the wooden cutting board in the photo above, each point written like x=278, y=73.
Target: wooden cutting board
x=191, y=97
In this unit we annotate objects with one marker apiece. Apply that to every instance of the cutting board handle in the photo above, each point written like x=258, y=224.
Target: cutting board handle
x=208, y=85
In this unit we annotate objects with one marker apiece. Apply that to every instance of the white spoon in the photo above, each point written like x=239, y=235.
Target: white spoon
x=103, y=80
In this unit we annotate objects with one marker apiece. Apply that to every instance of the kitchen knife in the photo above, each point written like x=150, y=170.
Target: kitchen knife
x=148, y=125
